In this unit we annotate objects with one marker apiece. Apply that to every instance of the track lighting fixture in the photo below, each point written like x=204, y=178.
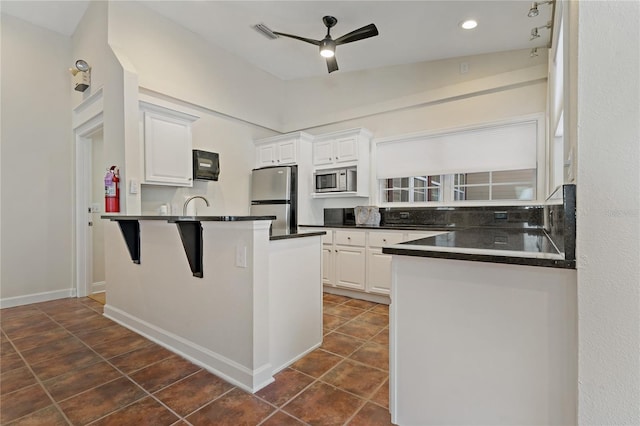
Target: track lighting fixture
x=534, y=30
x=534, y=33
x=533, y=12
x=81, y=72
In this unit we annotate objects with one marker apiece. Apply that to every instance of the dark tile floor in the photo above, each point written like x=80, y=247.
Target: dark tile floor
x=62, y=362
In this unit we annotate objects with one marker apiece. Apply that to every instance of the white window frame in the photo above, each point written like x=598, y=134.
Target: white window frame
x=382, y=189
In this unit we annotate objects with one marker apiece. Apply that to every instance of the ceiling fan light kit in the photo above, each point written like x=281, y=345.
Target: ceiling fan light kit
x=327, y=45
x=327, y=48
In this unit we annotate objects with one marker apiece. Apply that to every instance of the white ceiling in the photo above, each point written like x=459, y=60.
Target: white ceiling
x=410, y=31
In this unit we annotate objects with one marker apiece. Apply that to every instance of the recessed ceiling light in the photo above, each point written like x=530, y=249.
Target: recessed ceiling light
x=469, y=24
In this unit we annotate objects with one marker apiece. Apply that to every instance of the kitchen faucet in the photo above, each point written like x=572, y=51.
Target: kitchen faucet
x=184, y=208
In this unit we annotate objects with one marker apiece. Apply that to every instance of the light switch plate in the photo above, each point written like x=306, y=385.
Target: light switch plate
x=133, y=186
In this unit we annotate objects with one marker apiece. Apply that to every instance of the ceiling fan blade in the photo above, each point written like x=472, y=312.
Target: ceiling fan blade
x=332, y=64
x=359, y=34
x=307, y=40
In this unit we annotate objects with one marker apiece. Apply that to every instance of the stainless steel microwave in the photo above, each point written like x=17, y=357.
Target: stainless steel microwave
x=336, y=180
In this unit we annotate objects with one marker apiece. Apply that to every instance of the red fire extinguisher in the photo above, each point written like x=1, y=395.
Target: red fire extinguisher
x=112, y=190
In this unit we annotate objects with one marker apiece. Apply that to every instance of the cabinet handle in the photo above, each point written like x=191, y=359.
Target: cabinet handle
x=330, y=158
x=348, y=238
x=336, y=250
x=337, y=158
x=384, y=240
x=278, y=161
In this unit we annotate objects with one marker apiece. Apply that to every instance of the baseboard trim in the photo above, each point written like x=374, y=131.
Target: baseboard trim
x=294, y=359
x=10, y=302
x=225, y=368
x=99, y=287
x=377, y=298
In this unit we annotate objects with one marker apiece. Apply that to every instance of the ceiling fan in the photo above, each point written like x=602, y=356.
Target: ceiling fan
x=328, y=45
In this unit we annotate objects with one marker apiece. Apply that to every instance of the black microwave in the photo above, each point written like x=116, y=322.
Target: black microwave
x=336, y=180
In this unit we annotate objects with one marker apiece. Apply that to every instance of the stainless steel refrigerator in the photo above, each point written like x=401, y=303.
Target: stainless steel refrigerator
x=274, y=192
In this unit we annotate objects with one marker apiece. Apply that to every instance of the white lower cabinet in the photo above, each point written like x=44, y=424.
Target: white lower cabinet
x=349, y=259
x=378, y=271
x=350, y=267
x=353, y=259
x=378, y=263
x=328, y=267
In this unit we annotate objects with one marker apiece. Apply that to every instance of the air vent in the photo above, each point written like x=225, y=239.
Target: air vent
x=265, y=31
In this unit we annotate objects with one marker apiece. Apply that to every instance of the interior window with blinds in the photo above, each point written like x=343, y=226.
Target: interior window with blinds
x=497, y=162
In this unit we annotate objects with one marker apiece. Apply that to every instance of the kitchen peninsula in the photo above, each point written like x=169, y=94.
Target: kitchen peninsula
x=217, y=290
x=483, y=323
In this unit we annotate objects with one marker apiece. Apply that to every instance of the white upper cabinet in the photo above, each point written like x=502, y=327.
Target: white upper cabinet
x=340, y=150
x=279, y=150
x=334, y=149
x=346, y=148
x=166, y=135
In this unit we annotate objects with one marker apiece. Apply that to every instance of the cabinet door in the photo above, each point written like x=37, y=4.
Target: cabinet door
x=322, y=153
x=167, y=150
x=350, y=267
x=346, y=149
x=287, y=152
x=266, y=155
x=328, y=265
x=379, y=271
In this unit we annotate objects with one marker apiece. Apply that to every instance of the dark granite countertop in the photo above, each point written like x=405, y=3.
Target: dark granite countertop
x=531, y=247
x=299, y=234
x=173, y=219
x=117, y=217
x=393, y=227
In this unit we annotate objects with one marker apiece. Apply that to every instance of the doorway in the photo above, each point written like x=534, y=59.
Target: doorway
x=90, y=259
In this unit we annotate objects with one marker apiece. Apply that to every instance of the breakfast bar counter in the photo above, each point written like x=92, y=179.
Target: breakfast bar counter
x=217, y=290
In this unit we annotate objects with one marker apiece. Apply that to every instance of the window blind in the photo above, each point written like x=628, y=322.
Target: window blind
x=504, y=147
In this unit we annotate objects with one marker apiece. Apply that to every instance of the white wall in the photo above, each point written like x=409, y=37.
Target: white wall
x=347, y=96
x=608, y=155
x=233, y=141
x=228, y=94
x=176, y=62
x=89, y=42
x=37, y=162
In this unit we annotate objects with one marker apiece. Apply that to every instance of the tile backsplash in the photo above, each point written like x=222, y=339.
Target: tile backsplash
x=560, y=220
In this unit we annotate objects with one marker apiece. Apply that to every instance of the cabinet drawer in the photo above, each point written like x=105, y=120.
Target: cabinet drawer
x=350, y=238
x=382, y=239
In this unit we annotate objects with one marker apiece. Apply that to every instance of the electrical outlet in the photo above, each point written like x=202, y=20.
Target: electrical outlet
x=464, y=67
x=500, y=215
x=241, y=256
